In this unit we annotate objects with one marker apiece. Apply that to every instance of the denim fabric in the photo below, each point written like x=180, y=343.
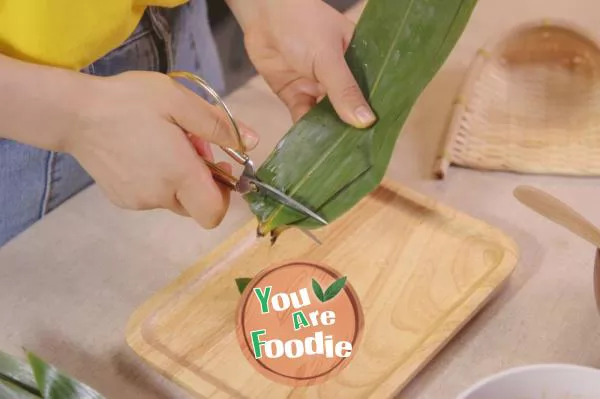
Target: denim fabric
x=33, y=182
x=193, y=46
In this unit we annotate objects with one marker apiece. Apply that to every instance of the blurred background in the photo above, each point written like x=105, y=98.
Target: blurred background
x=228, y=35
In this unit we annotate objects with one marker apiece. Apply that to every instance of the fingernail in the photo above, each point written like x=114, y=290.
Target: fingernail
x=249, y=138
x=364, y=115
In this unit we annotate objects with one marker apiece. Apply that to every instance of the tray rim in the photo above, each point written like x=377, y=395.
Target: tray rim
x=201, y=388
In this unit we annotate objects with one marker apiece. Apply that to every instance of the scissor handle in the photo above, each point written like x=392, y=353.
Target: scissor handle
x=239, y=157
x=222, y=175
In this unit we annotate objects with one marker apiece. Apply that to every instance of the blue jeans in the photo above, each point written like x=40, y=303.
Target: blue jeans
x=33, y=182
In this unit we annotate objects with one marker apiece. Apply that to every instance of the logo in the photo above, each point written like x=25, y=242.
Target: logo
x=299, y=323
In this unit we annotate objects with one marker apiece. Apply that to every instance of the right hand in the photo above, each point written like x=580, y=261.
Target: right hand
x=142, y=139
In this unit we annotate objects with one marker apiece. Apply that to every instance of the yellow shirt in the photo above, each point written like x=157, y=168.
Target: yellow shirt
x=69, y=33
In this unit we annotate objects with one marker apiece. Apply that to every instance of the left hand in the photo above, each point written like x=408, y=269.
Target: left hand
x=298, y=47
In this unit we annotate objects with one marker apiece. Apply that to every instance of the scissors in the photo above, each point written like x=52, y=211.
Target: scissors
x=248, y=182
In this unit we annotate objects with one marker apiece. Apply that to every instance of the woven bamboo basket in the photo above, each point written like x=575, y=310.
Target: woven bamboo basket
x=530, y=103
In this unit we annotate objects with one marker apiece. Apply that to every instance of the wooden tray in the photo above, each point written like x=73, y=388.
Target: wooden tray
x=420, y=269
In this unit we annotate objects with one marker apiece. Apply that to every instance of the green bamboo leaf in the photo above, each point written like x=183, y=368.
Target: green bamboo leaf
x=12, y=390
x=54, y=384
x=397, y=48
x=334, y=289
x=17, y=372
x=318, y=290
x=242, y=283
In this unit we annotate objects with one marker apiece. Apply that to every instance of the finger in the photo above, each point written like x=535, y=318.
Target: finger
x=203, y=198
x=331, y=70
x=196, y=116
x=177, y=208
x=225, y=191
x=202, y=147
x=322, y=90
x=322, y=93
x=348, y=34
x=249, y=136
x=301, y=106
x=299, y=97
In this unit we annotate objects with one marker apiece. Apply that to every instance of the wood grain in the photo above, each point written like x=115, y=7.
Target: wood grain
x=420, y=269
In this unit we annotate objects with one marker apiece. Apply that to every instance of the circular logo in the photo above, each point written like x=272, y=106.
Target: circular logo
x=299, y=323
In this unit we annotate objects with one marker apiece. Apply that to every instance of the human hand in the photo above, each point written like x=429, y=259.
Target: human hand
x=298, y=47
x=142, y=141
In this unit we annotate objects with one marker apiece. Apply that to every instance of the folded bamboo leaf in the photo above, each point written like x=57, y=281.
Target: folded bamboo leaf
x=16, y=374
x=54, y=384
x=397, y=48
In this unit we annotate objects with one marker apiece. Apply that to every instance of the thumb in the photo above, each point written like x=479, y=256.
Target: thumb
x=209, y=122
x=332, y=72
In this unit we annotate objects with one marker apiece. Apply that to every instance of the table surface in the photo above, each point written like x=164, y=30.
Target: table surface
x=69, y=284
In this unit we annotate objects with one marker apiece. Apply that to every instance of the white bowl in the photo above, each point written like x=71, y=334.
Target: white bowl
x=539, y=381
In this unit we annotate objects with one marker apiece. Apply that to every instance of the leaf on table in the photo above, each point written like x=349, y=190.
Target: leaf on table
x=17, y=373
x=54, y=384
x=397, y=48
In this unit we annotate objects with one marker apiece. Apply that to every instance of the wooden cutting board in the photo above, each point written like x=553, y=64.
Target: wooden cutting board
x=420, y=269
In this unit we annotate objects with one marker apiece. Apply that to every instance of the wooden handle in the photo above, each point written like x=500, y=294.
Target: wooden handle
x=558, y=212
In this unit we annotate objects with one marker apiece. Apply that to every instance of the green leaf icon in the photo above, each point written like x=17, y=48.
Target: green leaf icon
x=334, y=288
x=331, y=292
x=242, y=283
x=318, y=290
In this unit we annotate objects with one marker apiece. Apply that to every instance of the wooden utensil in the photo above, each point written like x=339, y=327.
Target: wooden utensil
x=562, y=214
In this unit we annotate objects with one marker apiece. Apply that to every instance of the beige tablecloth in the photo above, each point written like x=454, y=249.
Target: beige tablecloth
x=69, y=284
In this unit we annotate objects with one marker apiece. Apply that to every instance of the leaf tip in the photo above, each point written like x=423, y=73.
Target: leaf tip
x=317, y=290
x=335, y=288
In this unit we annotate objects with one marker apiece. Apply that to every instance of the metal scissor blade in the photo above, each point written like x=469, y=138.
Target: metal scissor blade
x=315, y=239
x=243, y=184
x=286, y=199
